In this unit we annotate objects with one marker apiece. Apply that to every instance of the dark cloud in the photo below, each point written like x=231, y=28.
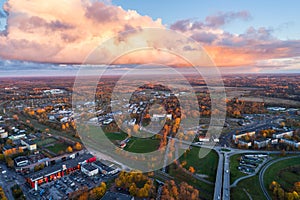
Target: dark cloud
x=36, y=22
x=222, y=18
x=213, y=21
x=100, y=12
x=204, y=37
x=189, y=48
x=181, y=25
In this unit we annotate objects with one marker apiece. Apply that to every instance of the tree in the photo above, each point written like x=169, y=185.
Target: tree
x=192, y=169
x=69, y=149
x=9, y=162
x=2, y=194
x=133, y=189
x=2, y=157
x=297, y=187
x=97, y=192
x=77, y=146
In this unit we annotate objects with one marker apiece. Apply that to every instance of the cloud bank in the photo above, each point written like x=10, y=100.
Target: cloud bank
x=67, y=31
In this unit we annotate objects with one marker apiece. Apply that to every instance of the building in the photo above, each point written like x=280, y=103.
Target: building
x=58, y=170
x=30, y=145
x=203, y=139
x=21, y=161
x=17, y=136
x=274, y=141
x=245, y=143
x=116, y=196
x=89, y=169
x=104, y=169
x=242, y=134
x=292, y=143
x=3, y=133
x=263, y=142
x=281, y=135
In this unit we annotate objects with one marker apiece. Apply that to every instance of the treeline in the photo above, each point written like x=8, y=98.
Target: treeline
x=280, y=194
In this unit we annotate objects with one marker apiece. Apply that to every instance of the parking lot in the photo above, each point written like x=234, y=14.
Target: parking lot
x=249, y=163
x=61, y=188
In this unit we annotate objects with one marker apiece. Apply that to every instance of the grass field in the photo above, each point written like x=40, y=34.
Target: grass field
x=282, y=173
x=58, y=147
x=142, y=145
x=45, y=141
x=116, y=136
x=234, y=172
x=207, y=165
x=251, y=185
x=206, y=190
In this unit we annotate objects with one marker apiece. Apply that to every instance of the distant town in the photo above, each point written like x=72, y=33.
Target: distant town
x=43, y=155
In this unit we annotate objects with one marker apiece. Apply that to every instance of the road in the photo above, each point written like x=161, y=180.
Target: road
x=226, y=177
x=262, y=173
x=219, y=177
x=9, y=179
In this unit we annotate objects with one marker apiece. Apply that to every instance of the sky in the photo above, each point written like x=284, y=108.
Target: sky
x=239, y=36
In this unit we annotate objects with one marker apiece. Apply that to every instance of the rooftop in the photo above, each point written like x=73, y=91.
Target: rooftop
x=54, y=168
x=102, y=166
x=89, y=167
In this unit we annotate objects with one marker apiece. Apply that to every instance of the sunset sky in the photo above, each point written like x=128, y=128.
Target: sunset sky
x=240, y=36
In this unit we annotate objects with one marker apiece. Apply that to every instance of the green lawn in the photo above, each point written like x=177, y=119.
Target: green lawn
x=45, y=141
x=58, y=147
x=116, y=136
x=142, y=145
x=207, y=165
x=282, y=173
x=234, y=172
x=251, y=185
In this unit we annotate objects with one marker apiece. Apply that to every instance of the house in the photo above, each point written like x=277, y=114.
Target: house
x=263, y=142
x=89, y=169
x=242, y=134
x=31, y=146
x=282, y=134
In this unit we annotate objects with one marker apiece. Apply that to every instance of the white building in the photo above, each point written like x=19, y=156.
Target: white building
x=242, y=134
x=262, y=142
x=281, y=135
x=21, y=161
x=292, y=143
x=31, y=146
x=89, y=169
x=245, y=143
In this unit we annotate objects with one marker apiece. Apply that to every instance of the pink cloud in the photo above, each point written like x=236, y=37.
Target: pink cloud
x=67, y=31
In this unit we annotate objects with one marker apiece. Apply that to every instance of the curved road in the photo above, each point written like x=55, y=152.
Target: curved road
x=262, y=173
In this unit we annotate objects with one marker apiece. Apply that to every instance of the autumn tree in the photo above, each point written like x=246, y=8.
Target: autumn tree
x=69, y=149
x=77, y=146
x=97, y=192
